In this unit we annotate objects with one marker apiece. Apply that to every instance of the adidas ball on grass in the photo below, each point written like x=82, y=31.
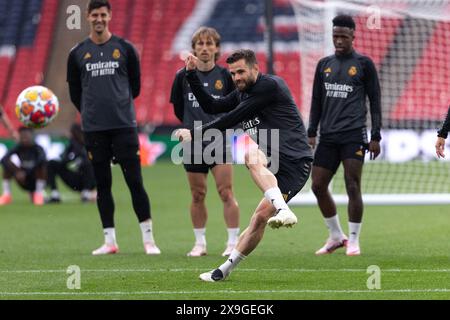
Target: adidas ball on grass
x=37, y=107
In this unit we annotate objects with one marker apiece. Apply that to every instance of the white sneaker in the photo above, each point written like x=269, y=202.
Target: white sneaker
x=198, y=250
x=212, y=276
x=331, y=246
x=150, y=248
x=283, y=218
x=353, y=249
x=106, y=249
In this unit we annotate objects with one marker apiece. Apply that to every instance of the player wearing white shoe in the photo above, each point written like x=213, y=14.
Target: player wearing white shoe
x=341, y=84
x=104, y=79
x=264, y=106
x=206, y=46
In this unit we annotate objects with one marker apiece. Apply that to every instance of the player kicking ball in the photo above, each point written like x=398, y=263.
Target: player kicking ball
x=262, y=103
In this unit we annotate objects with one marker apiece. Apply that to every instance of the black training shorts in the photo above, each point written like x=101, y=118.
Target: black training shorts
x=330, y=155
x=292, y=176
x=116, y=145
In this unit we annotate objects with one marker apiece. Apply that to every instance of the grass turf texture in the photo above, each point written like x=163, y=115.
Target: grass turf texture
x=409, y=244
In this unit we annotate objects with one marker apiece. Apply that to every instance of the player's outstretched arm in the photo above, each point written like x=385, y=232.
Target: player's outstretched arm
x=263, y=95
x=440, y=146
x=442, y=135
x=5, y=120
x=316, y=107
x=207, y=102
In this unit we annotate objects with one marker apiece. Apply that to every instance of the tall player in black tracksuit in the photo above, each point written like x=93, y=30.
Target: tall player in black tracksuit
x=341, y=83
x=206, y=46
x=264, y=106
x=104, y=78
x=442, y=135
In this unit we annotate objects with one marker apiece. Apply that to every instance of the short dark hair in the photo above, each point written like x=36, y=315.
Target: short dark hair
x=246, y=54
x=96, y=4
x=344, y=20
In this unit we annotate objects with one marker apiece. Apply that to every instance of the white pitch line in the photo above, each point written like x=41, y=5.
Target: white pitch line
x=243, y=270
x=121, y=293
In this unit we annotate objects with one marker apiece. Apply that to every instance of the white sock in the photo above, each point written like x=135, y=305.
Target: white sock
x=231, y=263
x=233, y=236
x=276, y=198
x=110, y=236
x=6, y=187
x=147, y=231
x=200, y=236
x=334, y=227
x=40, y=185
x=354, y=230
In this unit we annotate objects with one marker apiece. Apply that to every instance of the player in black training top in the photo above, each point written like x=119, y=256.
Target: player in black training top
x=264, y=106
x=74, y=169
x=442, y=135
x=206, y=47
x=341, y=83
x=104, y=77
x=25, y=163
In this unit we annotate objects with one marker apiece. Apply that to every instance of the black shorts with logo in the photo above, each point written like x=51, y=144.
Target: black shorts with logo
x=334, y=148
x=292, y=176
x=114, y=145
x=330, y=155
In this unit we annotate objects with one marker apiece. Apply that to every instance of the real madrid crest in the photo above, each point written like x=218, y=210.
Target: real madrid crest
x=116, y=54
x=218, y=85
x=352, y=71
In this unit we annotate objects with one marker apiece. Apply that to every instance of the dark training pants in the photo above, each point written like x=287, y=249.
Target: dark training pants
x=80, y=180
x=122, y=147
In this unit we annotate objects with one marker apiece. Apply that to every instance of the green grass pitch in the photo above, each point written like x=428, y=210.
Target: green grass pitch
x=410, y=245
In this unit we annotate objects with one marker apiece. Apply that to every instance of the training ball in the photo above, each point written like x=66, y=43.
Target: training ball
x=37, y=107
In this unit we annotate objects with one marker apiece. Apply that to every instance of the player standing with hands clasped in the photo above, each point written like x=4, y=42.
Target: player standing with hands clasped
x=104, y=78
x=206, y=46
x=341, y=83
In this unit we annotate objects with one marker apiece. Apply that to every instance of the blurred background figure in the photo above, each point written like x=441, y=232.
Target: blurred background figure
x=25, y=163
x=74, y=169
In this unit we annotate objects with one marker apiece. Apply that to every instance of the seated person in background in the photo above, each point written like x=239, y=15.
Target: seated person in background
x=27, y=164
x=74, y=169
